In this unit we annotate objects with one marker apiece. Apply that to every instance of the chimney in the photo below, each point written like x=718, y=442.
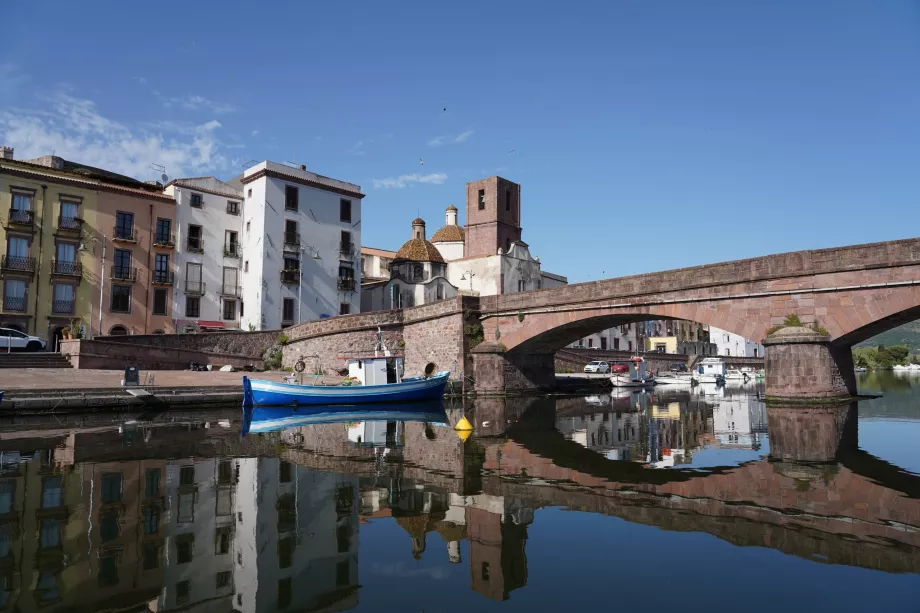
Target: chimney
x=6, y=153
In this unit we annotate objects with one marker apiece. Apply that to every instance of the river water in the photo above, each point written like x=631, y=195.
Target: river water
x=699, y=500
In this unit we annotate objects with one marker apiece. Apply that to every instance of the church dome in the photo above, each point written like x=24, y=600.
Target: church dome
x=419, y=250
x=451, y=233
x=451, y=207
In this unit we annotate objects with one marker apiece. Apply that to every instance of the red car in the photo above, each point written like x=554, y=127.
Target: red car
x=619, y=368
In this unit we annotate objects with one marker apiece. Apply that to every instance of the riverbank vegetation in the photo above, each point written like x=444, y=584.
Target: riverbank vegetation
x=882, y=357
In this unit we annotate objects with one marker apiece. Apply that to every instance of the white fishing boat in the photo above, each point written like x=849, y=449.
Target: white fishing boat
x=675, y=378
x=732, y=374
x=637, y=376
x=710, y=370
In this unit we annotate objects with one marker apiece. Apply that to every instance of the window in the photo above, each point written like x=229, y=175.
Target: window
x=108, y=571
x=225, y=472
x=7, y=489
x=485, y=571
x=287, y=310
x=151, y=520
x=63, y=298
x=183, y=589
x=345, y=210
x=247, y=227
x=192, y=306
x=616, y=344
x=590, y=343
x=343, y=538
x=344, y=308
x=163, y=232
x=195, y=240
x=196, y=202
x=111, y=487
x=520, y=285
x=230, y=309
x=507, y=199
x=22, y=201
x=121, y=268
x=285, y=552
x=151, y=556
x=161, y=268
x=342, y=572
x=108, y=525
x=224, y=501
x=51, y=492
x=124, y=225
x=233, y=207
x=231, y=243
x=284, y=472
x=440, y=291
x=246, y=266
x=152, y=482
x=346, y=246
x=728, y=351
x=186, y=508
x=187, y=475
x=249, y=193
x=291, y=194
x=49, y=533
x=160, y=299
x=604, y=347
x=284, y=593
x=17, y=247
x=223, y=579
x=291, y=263
x=121, y=298
x=14, y=295
x=507, y=245
x=185, y=544
x=222, y=541
x=482, y=199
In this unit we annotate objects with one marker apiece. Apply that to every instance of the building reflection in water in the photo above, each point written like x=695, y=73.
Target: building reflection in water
x=187, y=515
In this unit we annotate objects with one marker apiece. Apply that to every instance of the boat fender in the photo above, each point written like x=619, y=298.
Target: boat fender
x=430, y=369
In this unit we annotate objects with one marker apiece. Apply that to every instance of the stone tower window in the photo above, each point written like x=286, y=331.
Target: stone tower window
x=482, y=199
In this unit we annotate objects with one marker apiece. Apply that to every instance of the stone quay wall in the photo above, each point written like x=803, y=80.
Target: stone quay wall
x=235, y=343
x=111, y=355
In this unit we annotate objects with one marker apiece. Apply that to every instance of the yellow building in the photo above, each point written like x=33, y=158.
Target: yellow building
x=661, y=344
x=54, y=215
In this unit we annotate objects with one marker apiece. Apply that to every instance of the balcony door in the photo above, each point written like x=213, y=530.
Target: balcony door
x=193, y=277
x=66, y=252
x=231, y=276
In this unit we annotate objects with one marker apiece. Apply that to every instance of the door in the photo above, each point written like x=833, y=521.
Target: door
x=193, y=277
x=230, y=281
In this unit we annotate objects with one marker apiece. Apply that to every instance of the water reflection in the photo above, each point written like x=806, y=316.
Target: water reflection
x=179, y=512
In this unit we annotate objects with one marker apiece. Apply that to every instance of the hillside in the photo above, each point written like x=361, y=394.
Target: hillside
x=908, y=334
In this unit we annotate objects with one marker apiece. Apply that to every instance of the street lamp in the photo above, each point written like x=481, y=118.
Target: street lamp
x=315, y=255
x=471, y=274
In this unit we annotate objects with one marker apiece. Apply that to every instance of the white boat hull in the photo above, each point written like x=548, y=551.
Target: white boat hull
x=627, y=381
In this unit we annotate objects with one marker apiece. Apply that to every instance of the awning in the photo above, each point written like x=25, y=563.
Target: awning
x=219, y=325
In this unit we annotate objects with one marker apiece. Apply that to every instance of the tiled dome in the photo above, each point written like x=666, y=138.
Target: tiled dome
x=450, y=233
x=419, y=250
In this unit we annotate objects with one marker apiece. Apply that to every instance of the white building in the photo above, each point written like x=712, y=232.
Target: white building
x=296, y=544
x=300, y=232
x=731, y=344
x=208, y=260
x=618, y=338
x=375, y=264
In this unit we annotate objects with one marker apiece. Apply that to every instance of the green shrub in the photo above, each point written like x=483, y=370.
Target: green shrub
x=283, y=339
x=520, y=317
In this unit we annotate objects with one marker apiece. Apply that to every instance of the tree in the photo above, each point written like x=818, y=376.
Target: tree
x=899, y=353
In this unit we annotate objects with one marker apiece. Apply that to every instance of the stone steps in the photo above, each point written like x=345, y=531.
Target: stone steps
x=33, y=360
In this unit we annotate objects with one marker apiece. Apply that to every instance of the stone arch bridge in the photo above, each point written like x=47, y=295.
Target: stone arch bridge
x=507, y=342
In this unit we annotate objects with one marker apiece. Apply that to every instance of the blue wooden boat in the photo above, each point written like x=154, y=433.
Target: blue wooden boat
x=269, y=419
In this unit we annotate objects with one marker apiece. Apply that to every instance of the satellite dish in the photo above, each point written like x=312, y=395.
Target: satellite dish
x=165, y=178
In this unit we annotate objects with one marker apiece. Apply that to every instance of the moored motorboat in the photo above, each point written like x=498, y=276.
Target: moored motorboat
x=268, y=419
x=710, y=370
x=636, y=377
x=674, y=379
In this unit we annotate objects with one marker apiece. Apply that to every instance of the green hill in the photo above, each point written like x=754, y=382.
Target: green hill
x=908, y=334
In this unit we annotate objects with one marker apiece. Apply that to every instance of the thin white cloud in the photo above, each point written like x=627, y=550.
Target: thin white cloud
x=141, y=80
x=403, y=181
x=255, y=132
x=450, y=140
x=12, y=79
x=74, y=129
x=197, y=103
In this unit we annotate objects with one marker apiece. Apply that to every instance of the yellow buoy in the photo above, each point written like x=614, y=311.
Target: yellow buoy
x=463, y=424
x=463, y=435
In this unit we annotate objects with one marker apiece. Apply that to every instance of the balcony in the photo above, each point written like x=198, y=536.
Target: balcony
x=164, y=240
x=12, y=263
x=11, y=303
x=163, y=277
x=21, y=218
x=194, y=244
x=346, y=285
x=127, y=235
x=194, y=288
x=66, y=268
x=346, y=249
x=231, y=291
x=290, y=276
x=63, y=307
x=233, y=251
x=70, y=224
x=124, y=273
x=292, y=241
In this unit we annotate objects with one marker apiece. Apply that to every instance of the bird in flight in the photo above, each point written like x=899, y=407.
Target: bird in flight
x=421, y=161
x=511, y=151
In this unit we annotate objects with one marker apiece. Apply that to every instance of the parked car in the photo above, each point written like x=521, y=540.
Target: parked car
x=17, y=341
x=619, y=367
x=681, y=367
x=598, y=367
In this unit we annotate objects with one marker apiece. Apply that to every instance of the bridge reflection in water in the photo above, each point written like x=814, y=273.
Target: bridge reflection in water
x=180, y=512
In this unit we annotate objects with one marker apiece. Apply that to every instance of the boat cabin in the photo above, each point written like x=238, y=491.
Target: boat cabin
x=375, y=370
x=712, y=366
x=637, y=368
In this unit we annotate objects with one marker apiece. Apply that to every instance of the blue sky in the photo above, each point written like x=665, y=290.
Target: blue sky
x=646, y=135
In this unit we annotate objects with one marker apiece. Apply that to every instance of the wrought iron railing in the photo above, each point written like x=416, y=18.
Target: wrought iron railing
x=62, y=307
x=290, y=276
x=124, y=273
x=195, y=244
x=121, y=233
x=17, y=264
x=163, y=277
x=233, y=291
x=346, y=284
x=292, y=239
x=67, y=267
x=13, y=303
x=70, y=223
x=163, y=239
x=21, y=217
x=194, y=288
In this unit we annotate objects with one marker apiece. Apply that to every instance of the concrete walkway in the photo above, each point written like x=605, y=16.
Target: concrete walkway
x=68, y=378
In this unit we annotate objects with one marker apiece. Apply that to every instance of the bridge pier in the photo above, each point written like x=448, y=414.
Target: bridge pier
x=497, y=371
x=802, y=366
x=811, y=434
